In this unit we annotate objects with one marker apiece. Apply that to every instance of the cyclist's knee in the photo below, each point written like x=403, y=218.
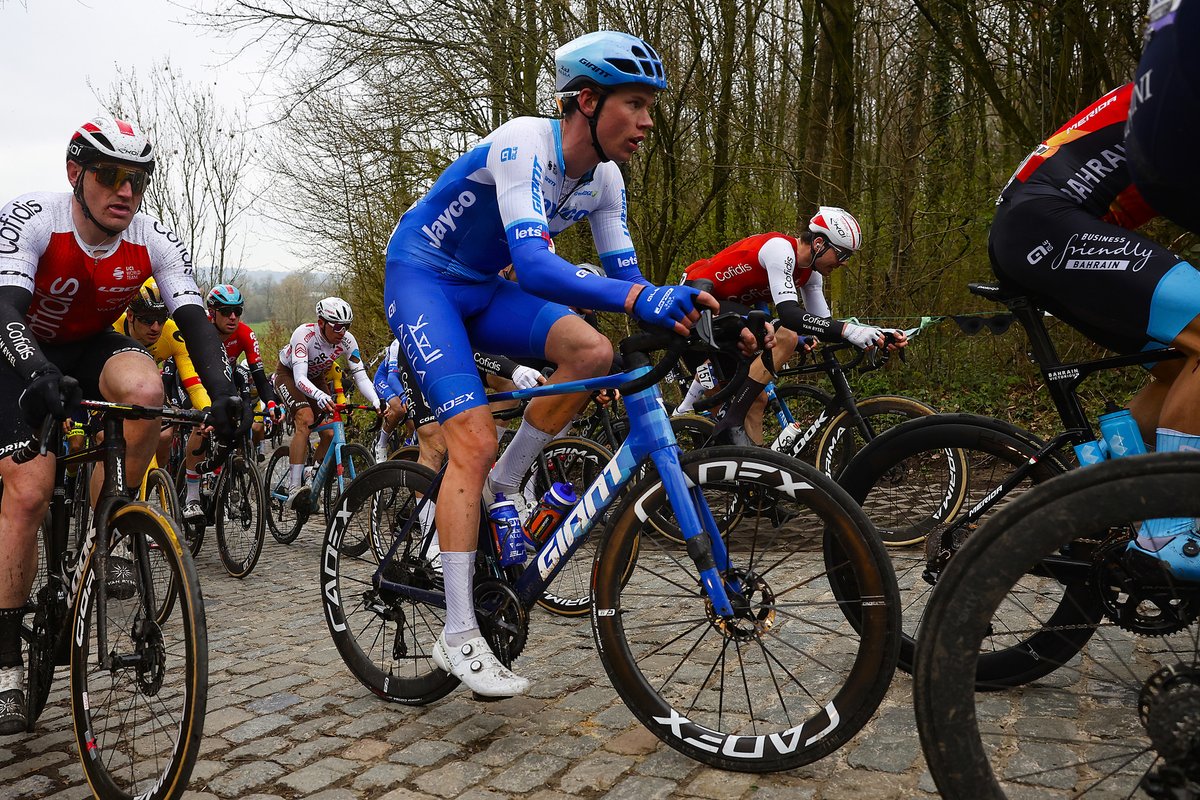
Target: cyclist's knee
x=27, y=494
x=303, y=419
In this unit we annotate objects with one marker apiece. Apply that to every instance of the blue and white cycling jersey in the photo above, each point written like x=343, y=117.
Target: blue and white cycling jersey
x=503, y=201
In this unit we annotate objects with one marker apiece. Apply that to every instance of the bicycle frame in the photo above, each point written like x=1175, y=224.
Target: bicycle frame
x=331, y=466
x=650, y=436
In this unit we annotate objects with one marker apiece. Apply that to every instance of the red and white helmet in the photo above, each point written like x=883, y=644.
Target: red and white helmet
x=838, y=226
x=111, y=139
x=335, y=310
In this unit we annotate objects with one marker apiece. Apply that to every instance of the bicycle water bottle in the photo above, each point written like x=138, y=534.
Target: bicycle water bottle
x=1120, y=433
x=552, y=508
x=506, y=528
x=787, y=437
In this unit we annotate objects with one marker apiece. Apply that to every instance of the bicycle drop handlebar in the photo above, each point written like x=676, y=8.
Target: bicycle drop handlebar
x=40, y=445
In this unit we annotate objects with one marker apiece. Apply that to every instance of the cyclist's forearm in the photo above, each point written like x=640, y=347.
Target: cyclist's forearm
x=205, y=349
x=794, y=318
x=17, y=344
x=266, y=392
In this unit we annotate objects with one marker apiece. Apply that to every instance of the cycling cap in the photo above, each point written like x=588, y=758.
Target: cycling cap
x=335, y=310
x=838, y=226
x=148, y=299
x=607, y=58
x=109, y=139
x=225, y=295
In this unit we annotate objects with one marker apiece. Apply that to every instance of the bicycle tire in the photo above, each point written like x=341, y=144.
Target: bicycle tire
x=160, y=491
x=841, y=439
x=41, y=631
x=670, y=658
x=238, y=516
x=579, y=461
x=409, y=452
x=692, y=431
x=285, y=523
x=807, y=405
x=386, y=640
x=905, y=481
x=139, y=727
x=1082, y=732
x=355, y=459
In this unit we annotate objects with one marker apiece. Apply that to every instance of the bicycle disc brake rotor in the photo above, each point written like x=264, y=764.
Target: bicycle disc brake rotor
x=503, y=620
x=753, y=608
x=152, y=664
x=1145, y=603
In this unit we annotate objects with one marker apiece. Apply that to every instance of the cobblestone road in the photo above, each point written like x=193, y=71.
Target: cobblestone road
x=286, y=719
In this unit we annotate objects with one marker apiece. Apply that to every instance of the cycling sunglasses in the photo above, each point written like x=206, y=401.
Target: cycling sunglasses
x=151, y=319
x=229, y=311
x=338, y=327
x=112, y=176
x=843, y=255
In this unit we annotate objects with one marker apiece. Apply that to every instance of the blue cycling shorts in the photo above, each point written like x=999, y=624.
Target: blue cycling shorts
x=441, y=319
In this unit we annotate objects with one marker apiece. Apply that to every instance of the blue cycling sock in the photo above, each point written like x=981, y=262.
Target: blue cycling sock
x=1156, y=533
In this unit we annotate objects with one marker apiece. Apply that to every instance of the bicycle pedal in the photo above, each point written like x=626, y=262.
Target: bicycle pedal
x=483, y=698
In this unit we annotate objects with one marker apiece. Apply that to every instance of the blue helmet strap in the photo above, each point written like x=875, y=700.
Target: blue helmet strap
x=592, y=120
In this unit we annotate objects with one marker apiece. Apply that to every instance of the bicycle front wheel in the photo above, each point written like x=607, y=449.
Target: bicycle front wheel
x=238, y=511
x=842, y=438
x=355, y=459
x=789, y=678
x=284, y=522
x=138, y=694
x=1119, y=716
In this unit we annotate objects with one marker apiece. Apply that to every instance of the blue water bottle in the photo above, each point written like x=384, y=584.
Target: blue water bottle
x=506, y=527
x=1120, y=433
x=555, y=503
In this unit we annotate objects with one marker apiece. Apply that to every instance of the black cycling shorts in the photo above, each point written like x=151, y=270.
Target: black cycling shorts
x=421, y=413
x=1164, y=116
x=1120, y=289
x=83, y=360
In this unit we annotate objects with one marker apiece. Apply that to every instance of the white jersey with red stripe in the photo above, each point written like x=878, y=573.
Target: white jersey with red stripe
x=309, y=355
x=80, y=290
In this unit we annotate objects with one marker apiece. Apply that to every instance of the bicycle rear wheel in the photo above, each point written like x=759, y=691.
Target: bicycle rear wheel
x=160, y=491
x=238, y=514
x=789, y=678
x=355, y=459
x=285, y=523
x=807, y=405
x=385, y=638
x=138, y=698
x=193, y=531
x=921, y=479
x=1119, y=718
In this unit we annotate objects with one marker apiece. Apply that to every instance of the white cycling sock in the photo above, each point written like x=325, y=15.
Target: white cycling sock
x=295, y=475
x=459, y=572
x=1156, y=533
x=500, y=431
x=192, y=480
x=383, y=437
x=693, y=394
x=515, y=460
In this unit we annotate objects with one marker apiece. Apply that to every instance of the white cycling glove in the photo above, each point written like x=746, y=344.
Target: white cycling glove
x=525, y=377
x=323, y=401
x=861, y=336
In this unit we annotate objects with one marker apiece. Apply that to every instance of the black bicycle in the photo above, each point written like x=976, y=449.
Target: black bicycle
x=929, y=483
x=121, y=605
x=1120, y=715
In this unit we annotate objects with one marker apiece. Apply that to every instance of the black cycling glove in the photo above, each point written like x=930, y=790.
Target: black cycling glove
x=50, y=392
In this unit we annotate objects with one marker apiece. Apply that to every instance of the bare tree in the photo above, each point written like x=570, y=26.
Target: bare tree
x=205, y=154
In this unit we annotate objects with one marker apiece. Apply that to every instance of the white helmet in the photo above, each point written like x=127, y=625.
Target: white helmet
x=110, y=139
x=335, y=310
x=838, y=226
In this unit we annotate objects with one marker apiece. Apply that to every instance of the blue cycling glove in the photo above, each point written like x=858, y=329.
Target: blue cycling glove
x=665, y=305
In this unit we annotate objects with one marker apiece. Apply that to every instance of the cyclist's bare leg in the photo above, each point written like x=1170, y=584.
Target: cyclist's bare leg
x=132, y=378
x=580, y=351
x=1147, y=404
x=785, y=345
x=324, y=438
x=431, y=443
x=470, y=440
x=1181, y=406
x=303, y=421
x=27, y=489
x=163, y=452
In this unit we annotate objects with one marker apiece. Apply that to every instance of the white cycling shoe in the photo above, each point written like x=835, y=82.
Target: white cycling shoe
x=478, y=668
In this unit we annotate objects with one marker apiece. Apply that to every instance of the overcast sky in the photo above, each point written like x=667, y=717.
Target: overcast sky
x=54, y=48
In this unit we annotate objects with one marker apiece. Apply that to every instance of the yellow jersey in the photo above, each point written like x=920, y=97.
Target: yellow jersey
x=170, y=345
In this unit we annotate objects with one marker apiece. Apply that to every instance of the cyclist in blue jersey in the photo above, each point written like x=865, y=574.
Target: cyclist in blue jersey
x=502, y=203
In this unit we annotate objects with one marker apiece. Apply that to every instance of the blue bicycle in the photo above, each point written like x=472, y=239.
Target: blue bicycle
x=762, y=642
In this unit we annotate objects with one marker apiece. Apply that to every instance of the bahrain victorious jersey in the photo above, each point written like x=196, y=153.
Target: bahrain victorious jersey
x=79, y=290
x=510, y=188
x=1084, y=163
